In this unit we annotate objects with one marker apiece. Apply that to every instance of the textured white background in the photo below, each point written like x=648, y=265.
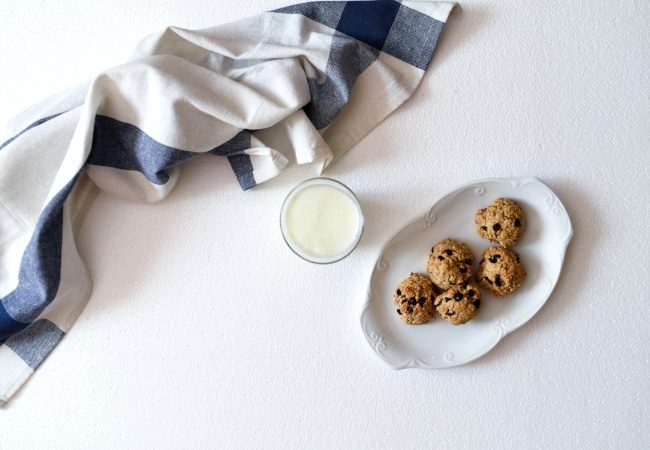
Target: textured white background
x=204, y=330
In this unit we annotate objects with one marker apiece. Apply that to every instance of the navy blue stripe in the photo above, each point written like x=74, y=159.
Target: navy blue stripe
x=35, y=342
x=33, y=125
x=8, y=326
x=363, y=30
x=243, y=168
x=240, y=142
x=369, y=22
x=121, y=145
x=326, y=13
x=40, y=269
x=413, y=37
x=241, y=163
x=348, y=58
x=386, y=25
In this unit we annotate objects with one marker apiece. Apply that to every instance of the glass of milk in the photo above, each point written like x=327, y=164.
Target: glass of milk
x=321, y=220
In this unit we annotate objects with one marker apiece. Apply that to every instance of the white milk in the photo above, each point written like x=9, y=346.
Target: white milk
x=323, y=221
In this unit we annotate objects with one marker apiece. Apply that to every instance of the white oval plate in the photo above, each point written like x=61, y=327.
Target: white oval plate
x=439, y=344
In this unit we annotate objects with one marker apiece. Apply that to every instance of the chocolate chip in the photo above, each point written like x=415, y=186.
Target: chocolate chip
x=399, y=292
x=462, y=269
x=403, y=300
x=494, y=258
x=477, y=304
x=409, y=309
x=432, y=249
x=441, y=258
x=399, y=312
x=450, y=313
x=487, y=279
x=517, y=223
x=484, y=228
x=497, y=281
x=412, y=301
x=496, y=227
x=468, y=262
x=518, y=259
x=458, y=296
x=449, y=252
x=471, y=293
x=421, y=301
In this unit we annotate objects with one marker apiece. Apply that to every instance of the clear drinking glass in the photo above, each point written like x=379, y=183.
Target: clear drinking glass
x=305, y=253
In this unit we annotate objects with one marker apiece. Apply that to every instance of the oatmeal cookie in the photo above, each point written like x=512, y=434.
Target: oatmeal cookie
x=450, y=263
x=500, y=271
x=503, y=221
x=414, y=298
x=459, y=304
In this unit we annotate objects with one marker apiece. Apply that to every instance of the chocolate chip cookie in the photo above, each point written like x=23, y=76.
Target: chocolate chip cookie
x=459, y=304
x=414, y=298
x=450, y=263
x=500, y=271
x=503, y=221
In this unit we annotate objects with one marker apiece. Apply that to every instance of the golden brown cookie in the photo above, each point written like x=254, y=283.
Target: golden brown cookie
x=450, y=262
x=414, y=298
x=500, y=271
x=460, y=303
x=503, y=222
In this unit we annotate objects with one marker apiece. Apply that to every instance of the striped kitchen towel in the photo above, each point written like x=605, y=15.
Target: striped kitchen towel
x=301, y=85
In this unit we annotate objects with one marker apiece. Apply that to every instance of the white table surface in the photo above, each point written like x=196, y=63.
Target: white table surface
x=204, y=330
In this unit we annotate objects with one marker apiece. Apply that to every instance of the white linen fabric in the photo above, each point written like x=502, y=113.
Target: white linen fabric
x=312, y=79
